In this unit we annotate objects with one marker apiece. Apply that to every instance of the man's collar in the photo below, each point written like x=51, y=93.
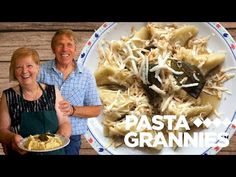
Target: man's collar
x=78, y=67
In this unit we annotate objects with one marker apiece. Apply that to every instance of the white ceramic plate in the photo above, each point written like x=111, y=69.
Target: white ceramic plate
x=65, y=142
x=220, y=40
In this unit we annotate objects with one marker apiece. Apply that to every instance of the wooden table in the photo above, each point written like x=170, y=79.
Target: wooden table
x=38, y=35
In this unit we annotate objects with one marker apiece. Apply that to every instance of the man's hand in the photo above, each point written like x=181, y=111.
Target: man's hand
x=66, y=108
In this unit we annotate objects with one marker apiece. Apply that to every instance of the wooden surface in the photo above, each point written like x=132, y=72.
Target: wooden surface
x=38, y=35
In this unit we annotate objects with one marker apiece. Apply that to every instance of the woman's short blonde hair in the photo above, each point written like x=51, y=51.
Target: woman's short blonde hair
x=67, y=32
x=20, y=53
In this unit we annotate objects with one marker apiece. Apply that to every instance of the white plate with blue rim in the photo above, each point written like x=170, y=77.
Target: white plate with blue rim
x=220, y=39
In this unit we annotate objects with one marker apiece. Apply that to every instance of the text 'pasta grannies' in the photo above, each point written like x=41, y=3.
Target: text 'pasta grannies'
x=142, y=133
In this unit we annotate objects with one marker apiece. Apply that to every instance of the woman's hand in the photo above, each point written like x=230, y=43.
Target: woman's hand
x=66, y=108
x=16, y=140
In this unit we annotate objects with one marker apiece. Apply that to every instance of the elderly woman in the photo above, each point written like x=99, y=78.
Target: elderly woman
x=30, y=107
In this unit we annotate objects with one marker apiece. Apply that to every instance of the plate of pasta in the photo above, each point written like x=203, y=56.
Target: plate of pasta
x=162, y=69
x=43, y=142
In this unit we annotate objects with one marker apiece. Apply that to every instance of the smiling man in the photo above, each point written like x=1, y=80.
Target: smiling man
x=76, y=83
